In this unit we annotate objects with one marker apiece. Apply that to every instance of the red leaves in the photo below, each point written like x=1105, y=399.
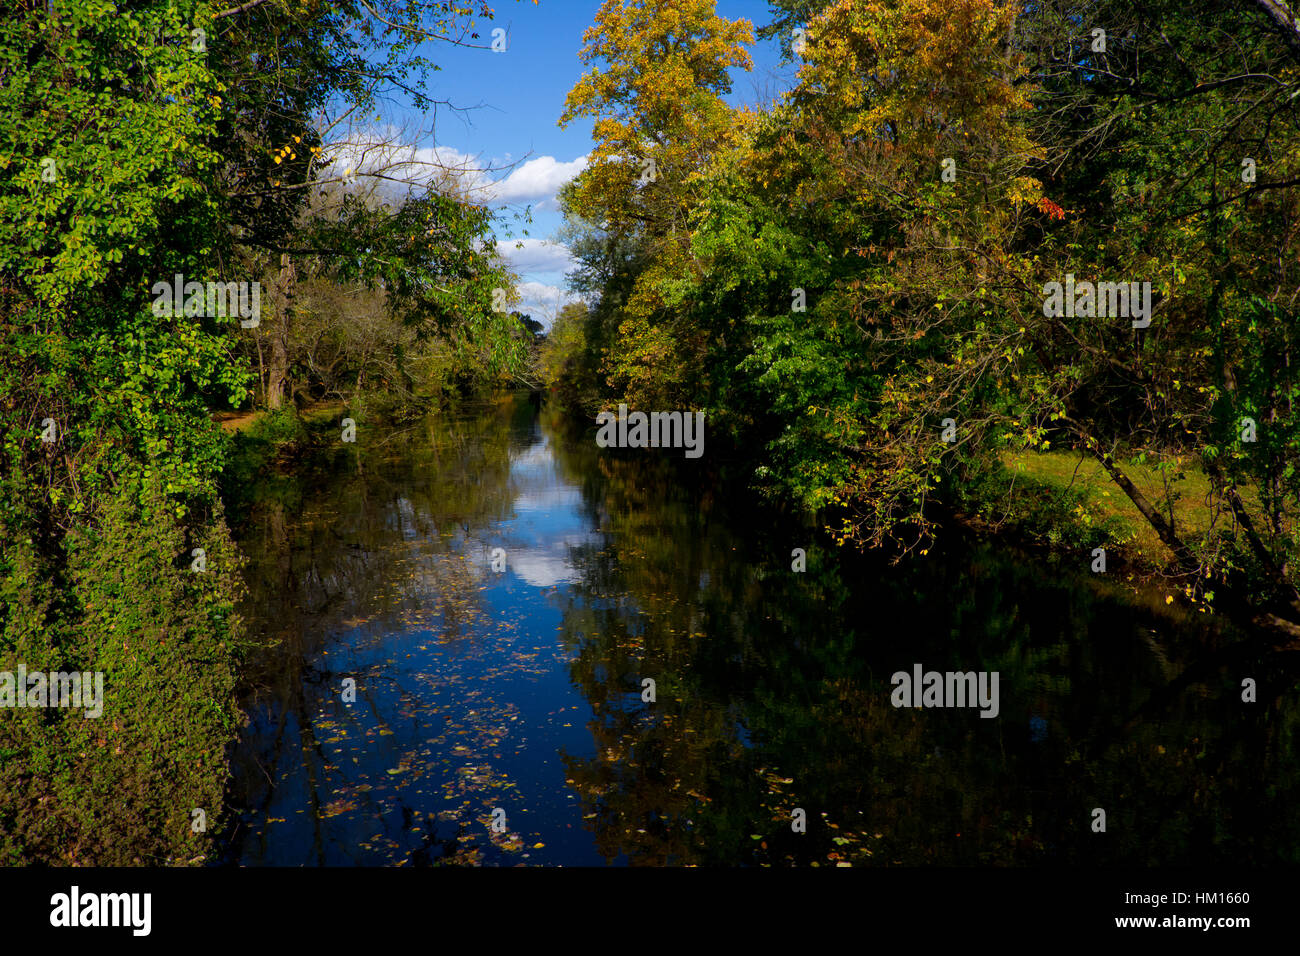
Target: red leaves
x=1052, y=209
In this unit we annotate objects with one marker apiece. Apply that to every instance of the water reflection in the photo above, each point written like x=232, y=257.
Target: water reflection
x=522, y=690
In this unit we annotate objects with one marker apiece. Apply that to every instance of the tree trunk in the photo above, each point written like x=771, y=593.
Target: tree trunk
x=277, y=376
x=1284, y=20
x=1187, y=561
x=1276, y=575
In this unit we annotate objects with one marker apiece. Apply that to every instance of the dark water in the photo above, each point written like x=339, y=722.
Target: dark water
x=521, y=690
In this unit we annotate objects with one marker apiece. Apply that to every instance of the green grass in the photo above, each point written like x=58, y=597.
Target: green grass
x=1105, y=503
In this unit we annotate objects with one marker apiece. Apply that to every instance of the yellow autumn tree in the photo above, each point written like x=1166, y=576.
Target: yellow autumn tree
x=659, y=72
x=900, y=91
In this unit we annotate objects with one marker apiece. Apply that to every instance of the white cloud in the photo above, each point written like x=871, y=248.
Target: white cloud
x=537, y=180
x=531, y=256
x=543, y=570
x=381, y=152
x=543, y=302
x=548, y=499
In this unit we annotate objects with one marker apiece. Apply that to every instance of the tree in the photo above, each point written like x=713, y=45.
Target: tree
x=656, y=98
x=862, y=288
x=141, y=141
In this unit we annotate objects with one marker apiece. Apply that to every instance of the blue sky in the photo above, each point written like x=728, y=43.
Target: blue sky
x=517, y=97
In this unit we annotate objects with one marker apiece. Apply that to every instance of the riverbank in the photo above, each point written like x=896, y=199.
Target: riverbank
x=1064, y=504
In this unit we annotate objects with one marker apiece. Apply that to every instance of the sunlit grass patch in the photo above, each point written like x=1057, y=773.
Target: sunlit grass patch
x=1159, y=480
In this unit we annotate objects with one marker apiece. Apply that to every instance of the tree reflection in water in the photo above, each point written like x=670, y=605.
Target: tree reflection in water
x=522, y=690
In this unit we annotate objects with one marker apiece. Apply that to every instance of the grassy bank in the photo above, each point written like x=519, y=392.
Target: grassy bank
x=1183, y=489
x=1065, y=500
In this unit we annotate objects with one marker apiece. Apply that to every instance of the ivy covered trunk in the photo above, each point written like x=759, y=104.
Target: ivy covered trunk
x=277, y=382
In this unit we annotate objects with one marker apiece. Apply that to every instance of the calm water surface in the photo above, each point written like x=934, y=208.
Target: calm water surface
x=521, y=690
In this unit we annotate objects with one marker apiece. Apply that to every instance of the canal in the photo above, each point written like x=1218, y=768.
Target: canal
x=461, y=615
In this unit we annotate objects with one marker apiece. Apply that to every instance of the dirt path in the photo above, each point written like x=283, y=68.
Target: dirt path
x=234, y=421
